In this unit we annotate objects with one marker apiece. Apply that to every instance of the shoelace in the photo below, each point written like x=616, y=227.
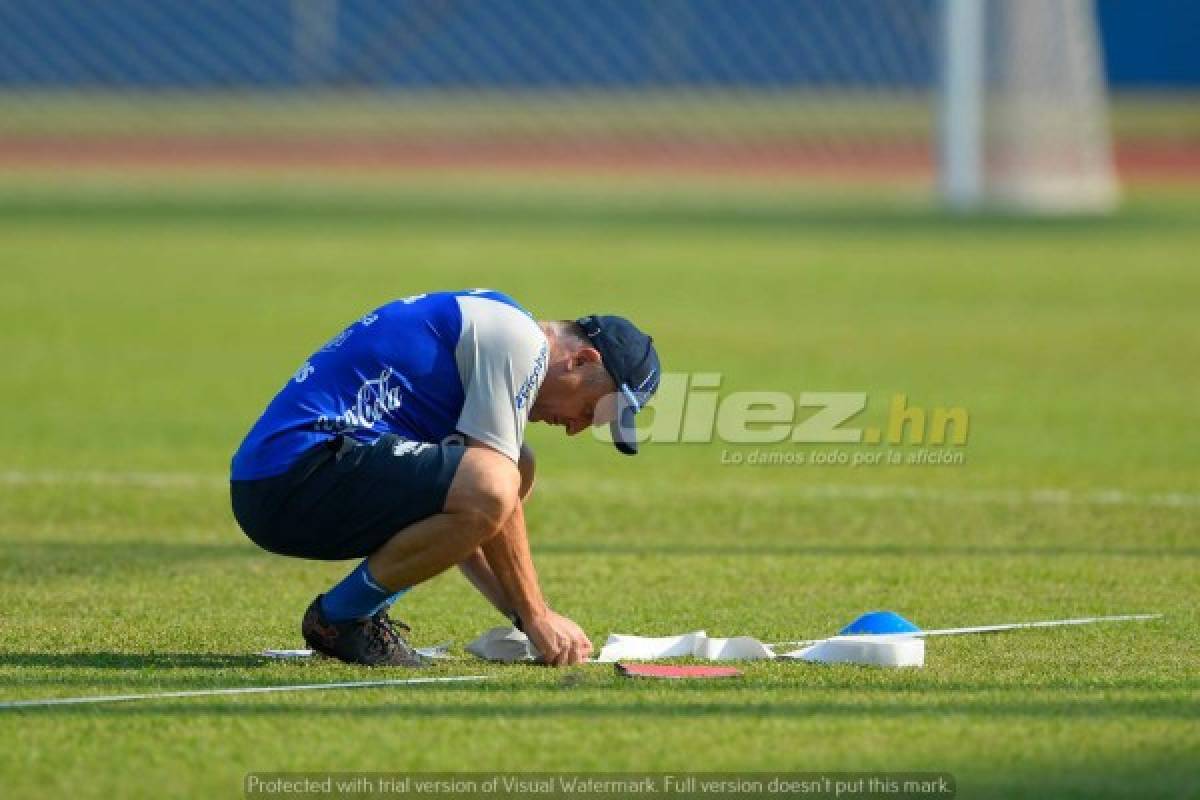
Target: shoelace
x=382, y=633
x=380, y=636
x=383, y=618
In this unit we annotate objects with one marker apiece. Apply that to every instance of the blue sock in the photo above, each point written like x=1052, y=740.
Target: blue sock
x=357, y=596
x=391, y=601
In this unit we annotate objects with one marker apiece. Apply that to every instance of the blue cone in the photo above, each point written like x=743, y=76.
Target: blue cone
x=880, y=622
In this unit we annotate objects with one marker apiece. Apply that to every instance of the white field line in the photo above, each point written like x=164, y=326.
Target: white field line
x=1037, y=496
x=884, y=492
x=1007, y=626
x=293, y=687
x=877, y=492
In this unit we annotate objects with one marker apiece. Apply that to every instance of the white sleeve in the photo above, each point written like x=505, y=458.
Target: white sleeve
x=502, y=356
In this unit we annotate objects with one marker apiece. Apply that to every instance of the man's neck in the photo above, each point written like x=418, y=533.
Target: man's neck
x=553, y=332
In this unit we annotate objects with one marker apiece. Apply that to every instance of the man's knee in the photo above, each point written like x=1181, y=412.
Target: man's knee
x=484, y=492
x=526, y=467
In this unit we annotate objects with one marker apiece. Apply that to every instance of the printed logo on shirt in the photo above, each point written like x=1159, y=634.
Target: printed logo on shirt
x=375, y=399
x=337, y=341
x=302, y=374
x=406, y=448
x=534, y=380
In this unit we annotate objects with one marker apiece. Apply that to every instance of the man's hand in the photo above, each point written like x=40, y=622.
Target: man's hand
x=560, y=641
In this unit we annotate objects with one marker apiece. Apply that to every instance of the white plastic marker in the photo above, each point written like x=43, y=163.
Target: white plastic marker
x=504, y=644
x=867, y=650
x=898, y=643
x=1008, y=626
x=301, y=687
x=698, y=644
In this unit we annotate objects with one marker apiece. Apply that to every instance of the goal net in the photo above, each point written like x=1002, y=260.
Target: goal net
x=993, y=101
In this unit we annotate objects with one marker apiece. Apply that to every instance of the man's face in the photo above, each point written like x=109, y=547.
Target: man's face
x=575, y=397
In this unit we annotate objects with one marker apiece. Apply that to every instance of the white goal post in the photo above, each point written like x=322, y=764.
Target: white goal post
x=1022, y=108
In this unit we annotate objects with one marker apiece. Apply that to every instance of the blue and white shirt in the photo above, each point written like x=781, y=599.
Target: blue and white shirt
x=429, y=368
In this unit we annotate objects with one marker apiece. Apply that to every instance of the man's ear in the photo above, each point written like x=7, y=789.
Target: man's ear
x=584, y=356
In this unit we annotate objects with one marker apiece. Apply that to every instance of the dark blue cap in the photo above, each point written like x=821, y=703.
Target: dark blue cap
x=631, y=360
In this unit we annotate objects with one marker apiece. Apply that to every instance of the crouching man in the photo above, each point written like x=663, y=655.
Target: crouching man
x=401, y=442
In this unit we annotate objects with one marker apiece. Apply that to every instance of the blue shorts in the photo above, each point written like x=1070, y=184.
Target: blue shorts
x=345, y=499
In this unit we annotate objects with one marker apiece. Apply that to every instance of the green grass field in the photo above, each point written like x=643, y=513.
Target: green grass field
x=142, y=335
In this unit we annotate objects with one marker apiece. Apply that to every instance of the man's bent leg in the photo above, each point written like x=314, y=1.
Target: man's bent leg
x=481, y=492
x=482, y=496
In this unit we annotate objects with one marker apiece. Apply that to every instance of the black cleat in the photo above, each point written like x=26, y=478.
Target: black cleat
x=373, y=641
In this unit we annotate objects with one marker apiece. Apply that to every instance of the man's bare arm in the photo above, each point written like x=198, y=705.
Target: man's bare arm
x=479, y=573
x=476, y=568
x=511, y=564
x=559, y=639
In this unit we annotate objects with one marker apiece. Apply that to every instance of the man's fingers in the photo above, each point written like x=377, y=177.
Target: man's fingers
x=566, y=643
x=583, y=645
x=562, y=650
x=572, y=652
